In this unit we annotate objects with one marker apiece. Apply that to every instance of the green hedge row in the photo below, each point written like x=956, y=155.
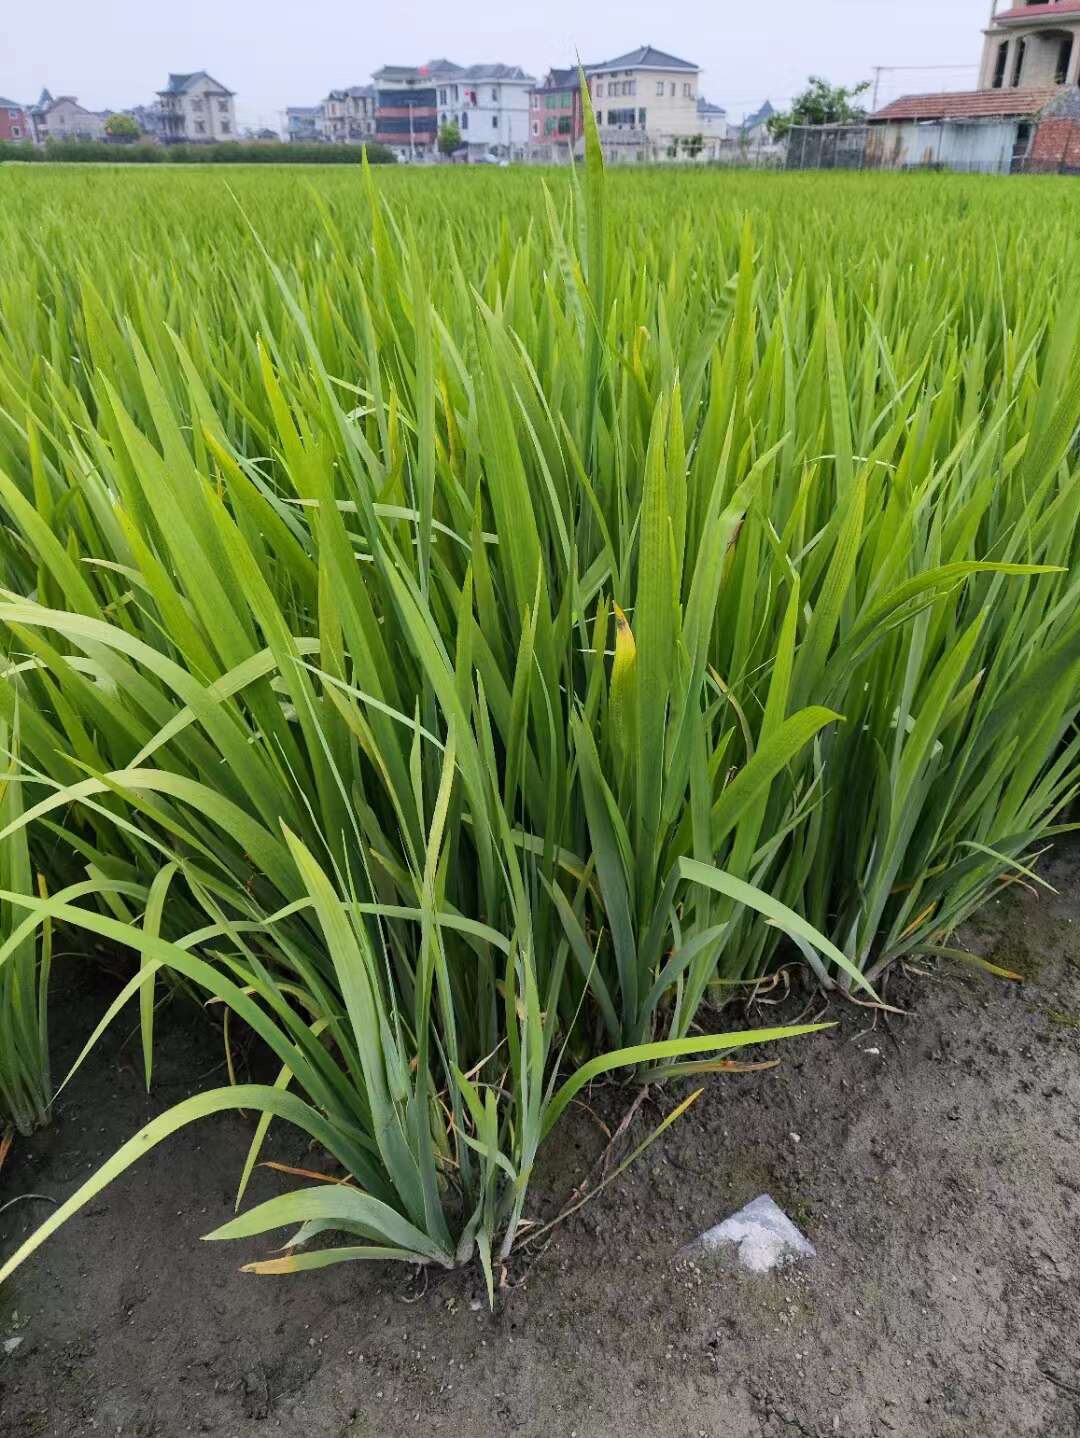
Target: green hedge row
x=262, y=153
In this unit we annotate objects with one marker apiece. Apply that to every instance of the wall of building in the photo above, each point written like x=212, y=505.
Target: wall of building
x=500, y=115
x=986, y=145
x=1056, y=145
x=14, y=123
x=66, y=119
x=668, y=97
x=393, y=108
x=1042, y=47
x=555, y=117
x=205, y=103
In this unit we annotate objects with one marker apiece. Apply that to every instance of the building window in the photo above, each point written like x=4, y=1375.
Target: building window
x=464, y=119
x=442, y=96
x=999, y=65
x=641, y=119
x=686, y=89
x=226, y=128
x=196, y=103
x=1018, y=63
x=200, y=127
x=495, y=93
x=536, y=127
x=659, y=87
x=494, y=122
x=15, y=132
x=621, y=117
x=223, y=107
x=1065, y=50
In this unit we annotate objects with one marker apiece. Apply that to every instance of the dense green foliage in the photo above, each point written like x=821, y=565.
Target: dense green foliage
x=822, y=103
x=465, y=624
x=238, y=152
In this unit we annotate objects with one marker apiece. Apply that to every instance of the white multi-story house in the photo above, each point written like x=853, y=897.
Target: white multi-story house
x=646, y=104
x=493, y=110
x=348, y=116
x=196, y=109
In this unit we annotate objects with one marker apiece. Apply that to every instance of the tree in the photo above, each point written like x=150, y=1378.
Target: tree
x=449, y=138
x=122, y=127
x=821, y=104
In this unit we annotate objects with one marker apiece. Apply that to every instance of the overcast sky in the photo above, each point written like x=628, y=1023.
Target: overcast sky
x=117, y=53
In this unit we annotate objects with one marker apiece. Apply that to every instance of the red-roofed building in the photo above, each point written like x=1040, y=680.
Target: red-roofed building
x=1025, y=113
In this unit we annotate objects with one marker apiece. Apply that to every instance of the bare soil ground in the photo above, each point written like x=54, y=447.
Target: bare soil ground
x=934, y=1161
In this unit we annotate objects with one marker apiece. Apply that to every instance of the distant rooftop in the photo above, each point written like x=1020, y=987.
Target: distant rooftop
x=440, y=71
x=568, y=79
x=495, y=72
x=966, y=105
x=705, y=108
x=645, y=57
x=180, y=84
x=1027, y=13
x=759, y=117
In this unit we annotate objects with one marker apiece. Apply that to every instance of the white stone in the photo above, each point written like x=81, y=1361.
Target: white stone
x=762, y=1235
x=10, y=1345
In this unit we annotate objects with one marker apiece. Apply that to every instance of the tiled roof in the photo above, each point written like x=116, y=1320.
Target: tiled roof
x=433, y=70
x=11, y=104
x=704, y=108
x=759, y=117
x=494, y=72
x=966, y=105
x=180, y=84
x=561, y=79
x=643, y=58
x=1027, y=13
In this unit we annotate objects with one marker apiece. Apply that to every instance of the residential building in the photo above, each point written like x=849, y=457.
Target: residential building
x=196, y=109
x=407, y=106
x=712, y=121
x=754, y=129
x=303, y=124
x=489, y=103
x=982, y=130
x=348, y=116
x=14, y=121
x=494, y=115
x=150, y=119
x=556, y=116
x=63, y=118
x=1032, y=46
x=645, y=104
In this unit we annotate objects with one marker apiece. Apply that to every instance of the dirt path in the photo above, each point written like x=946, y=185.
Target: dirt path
x=936, y=1167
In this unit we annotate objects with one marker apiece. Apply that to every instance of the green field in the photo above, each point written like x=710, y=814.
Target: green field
x=473, y=624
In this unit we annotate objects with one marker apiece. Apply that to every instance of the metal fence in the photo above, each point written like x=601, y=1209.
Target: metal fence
x=994, y=146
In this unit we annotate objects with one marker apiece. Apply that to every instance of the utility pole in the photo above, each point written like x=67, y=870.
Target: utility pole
x=412, y=143
x=877, y=87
